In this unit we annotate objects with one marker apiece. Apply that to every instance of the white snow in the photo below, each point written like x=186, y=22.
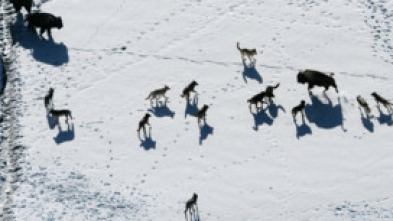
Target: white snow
x=336, y=166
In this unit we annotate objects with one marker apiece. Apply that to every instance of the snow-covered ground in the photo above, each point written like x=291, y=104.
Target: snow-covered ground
x=110, y=54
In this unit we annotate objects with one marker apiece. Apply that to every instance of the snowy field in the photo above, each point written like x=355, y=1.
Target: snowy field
x=245, y=166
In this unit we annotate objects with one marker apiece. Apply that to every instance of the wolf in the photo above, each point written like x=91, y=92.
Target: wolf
x=201, y=114
x=191, y=204
x=44, y=21
x=256, y=99
x=270, y=89
x=59, y=113
x=362, y=102
x=156, y=94
x=316, y=78
x=299, y=108
x=48, y=99
x=143, y=123
x=388, y=105
x=190, y=88
x=247, y=52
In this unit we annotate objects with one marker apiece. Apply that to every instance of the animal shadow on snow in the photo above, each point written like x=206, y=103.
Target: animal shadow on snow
x=193, y=216
x=191, y=107
x=65, y=135
x=366, y=121
x=385, y=118
x=301, y=129
x=260, y=118
x=148, y=143
x=205, y=130
x=43, y=50
x=251, y=73
x=274, y=108
x=162, y=110
x=52, y=121
x=324, y=115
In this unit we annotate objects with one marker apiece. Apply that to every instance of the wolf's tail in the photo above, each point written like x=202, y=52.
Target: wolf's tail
x=277, y=85
x=238, y=46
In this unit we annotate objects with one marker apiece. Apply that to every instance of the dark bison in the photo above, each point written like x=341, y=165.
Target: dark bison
x=18, y=4
x=45, y=21
x=316, y=78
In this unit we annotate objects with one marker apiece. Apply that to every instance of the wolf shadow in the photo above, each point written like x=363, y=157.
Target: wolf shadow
x=385, y=118
x=204, y=131
x=251, y=73
x=43, y=50
x=66, y=135
x=260, y=118
x=301, y=129
x=274, y=108
x=161, y=110
x=148, y=143
x=324, y=115
x=52, y=121
x=366, y=121
x=191, y=107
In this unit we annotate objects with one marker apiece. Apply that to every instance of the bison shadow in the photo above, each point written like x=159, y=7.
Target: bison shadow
x=260, y=118
x=148, y=143
x=251, y=73
x=162, y=110
x=191, y=107
x=385, y=118
x=324, y=115
x=205, y=130
x=43, y=50
x=67, y=135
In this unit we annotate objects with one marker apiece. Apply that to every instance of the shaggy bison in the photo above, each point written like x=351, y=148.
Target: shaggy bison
x=18, y=4
x=316, y=78
x=45, y=21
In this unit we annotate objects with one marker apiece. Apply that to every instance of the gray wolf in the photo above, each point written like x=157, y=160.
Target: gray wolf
x=59, y=113
x=191, y=204
x=256, y=99
x=247, y=52
x=143, y=123
x=388, y=105
x=156, y=94
x=48, y=99
x=201, y=114
x=299, y=108
x=270, y=89
x=190, y=88
x=362, y=102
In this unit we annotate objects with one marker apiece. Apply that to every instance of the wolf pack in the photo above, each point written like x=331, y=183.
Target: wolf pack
x=311, y=77
x=46, y=21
